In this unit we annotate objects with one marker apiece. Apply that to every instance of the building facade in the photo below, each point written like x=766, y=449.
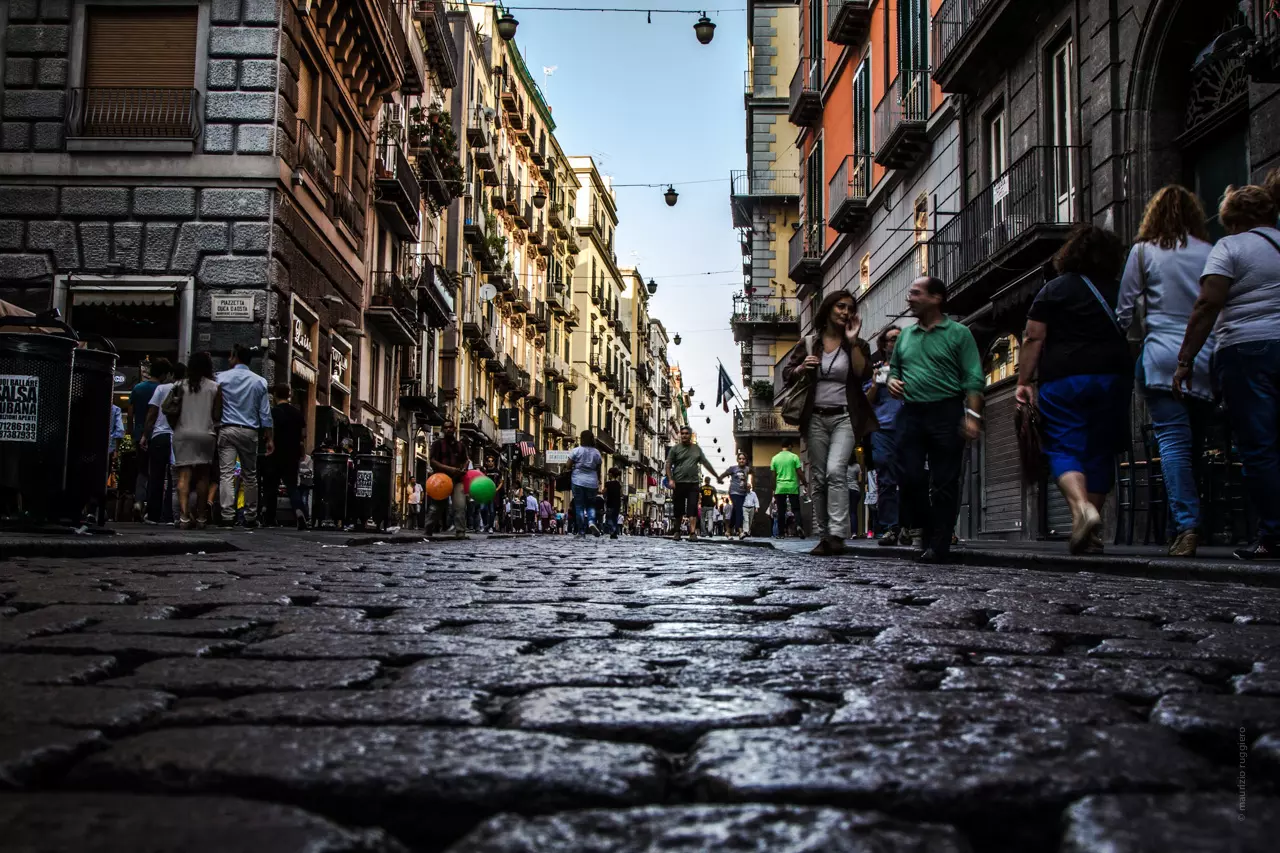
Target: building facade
x=966, y=139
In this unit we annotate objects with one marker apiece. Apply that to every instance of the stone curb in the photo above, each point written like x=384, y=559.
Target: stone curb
x=84, y=547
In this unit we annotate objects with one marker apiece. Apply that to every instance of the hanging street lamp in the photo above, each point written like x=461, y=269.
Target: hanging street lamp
x=539, y=198
x=653, y=287
x=507, y=24
x=704, y=29
x=676, y=339
x=671, y=195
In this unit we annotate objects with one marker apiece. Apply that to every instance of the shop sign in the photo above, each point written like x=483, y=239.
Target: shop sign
x=340, y=364
x=19, y=408
x=507, y=436
x=557, y=457
x=231, y=308
x=302, y=335
x=306, y=371
x=364, y=484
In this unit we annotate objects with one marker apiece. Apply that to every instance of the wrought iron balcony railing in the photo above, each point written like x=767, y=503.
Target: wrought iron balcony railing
x=764, y=421
x=805, y=252
x=848, y=20
x=765, y=309
x=765, y=183
x=806, y=93
x=133, y=113
x=347, y=210
x=901, y=119
x=399, y=195
x=848, y=191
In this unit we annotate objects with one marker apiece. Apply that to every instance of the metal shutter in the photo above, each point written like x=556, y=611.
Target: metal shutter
x=1001, y=467
x=1058, y=512
x=141, y=46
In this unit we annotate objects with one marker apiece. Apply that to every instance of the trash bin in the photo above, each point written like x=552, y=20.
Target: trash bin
x=35, y=392
x=329, y=490
x=88, y=430
x=371, y=489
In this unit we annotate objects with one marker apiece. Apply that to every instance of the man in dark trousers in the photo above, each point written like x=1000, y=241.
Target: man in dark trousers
x=139, y=399
x=936, y=369
x=282, y=465
x=449, y=457
x=612, y=501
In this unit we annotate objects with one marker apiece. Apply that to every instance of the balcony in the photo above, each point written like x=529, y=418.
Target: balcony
x=315, y=169
x=805, y=253
x=133, y=119
x=540, y=316
x=596, y=364
x=1013, y=225
x=556, y=300
x=571, y=243
x=524, y=135
x=440, y=190
x=556, y=366
x=806, y=93
x=478, y=129
x=629, y=453
x=512, y=196
x=762, y=423
x=538, y=393
x=398, y=197
x=437, y=39
x=848, y=21
x=605, y=442
x=574, y=319
x=902, y=118
x=769, y=185
x=554, y=215
x=524, y=216
x=848, y=192
x=573, y=379
x=475, y=227
x=347, y=211
x=416, y=397
x=476, y=421
x=435, y=290
x=408, y=44
x=537, y=233
x=554, y=424
x=539, y=154
x=393, y=309
x=970, y=35
x=776, y=315
x=520, y=300
x=512, y=100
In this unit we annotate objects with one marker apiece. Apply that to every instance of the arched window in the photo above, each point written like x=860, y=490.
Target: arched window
x=1001, y=362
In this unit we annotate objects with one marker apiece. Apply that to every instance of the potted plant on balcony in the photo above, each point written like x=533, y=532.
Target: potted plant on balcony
x=762, y=390
x=435, y=146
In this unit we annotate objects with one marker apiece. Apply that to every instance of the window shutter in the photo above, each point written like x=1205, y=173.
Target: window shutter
x=141, y=46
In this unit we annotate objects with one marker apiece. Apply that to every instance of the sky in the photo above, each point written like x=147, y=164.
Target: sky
x=652, y=105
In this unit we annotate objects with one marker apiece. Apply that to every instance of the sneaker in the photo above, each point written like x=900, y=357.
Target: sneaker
x=1261, y=549
x=889, y=539
x=917, y=538
x=251, y=524
x=593, y=530
x=1185, y=544
x=1083, y=529
x=934, y=557
x=613, y=536
x=460, y=534
x=693, y=537
x=836, y=544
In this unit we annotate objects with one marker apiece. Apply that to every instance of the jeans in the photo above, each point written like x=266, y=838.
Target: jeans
x=458, y=503
x=584, y=507
x=884, y=456
x=1179, y=443
x=276, y=470
x=831, y=444
x=780, y=513
x=238, y=442
x=735, y=520
x=1249, y=375
x=159, y=482
x=929, y=434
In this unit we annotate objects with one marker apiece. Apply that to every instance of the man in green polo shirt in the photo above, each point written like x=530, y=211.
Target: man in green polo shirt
x=788, y=474
x=936, y=370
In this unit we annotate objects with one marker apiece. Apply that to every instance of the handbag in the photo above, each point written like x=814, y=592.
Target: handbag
x=1026, y=420
x=792, y=399
x=172, y=405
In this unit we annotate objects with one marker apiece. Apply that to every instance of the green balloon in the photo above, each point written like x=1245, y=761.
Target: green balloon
x=483, y=490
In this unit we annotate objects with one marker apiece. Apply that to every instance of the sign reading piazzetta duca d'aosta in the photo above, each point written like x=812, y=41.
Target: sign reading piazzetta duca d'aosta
x=19, y=407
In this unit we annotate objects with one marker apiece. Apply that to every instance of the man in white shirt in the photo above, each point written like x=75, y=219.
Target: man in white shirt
x=415, y=503
x=246, y=409
x=157, y=443
x=750, y=504
x=530, y=513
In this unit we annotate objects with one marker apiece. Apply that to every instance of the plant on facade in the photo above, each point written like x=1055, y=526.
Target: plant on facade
x=762, y=389
x=430, y=132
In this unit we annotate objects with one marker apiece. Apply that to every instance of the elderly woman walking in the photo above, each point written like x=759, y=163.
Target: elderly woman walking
x=1163, y=274
x=836, y=411
x=1074, y=347
x=1240, y=292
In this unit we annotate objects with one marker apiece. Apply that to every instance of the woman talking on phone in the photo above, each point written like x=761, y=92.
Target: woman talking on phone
x=837, y=362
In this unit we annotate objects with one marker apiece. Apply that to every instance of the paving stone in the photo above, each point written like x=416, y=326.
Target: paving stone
x=425, y=783
x=70, y=617
x=827, y=681
x=875, y=707
x=33, y=754
x=667, y=717
x=80, y=707
x=870, y=621
x=53, y=669
x=173, y=627
x=969, y=769
x=653, y=652
x=753, y=828
x=766, y=633
x=822, y=657
x=219, y=676
x=525, y=672
x=422, y=707
x=533, y=631
x=1166, y=650
x=399, y=647
x=1262, y=680
x=1186, y=822
x=1076, y=629
x=147, y=645
x=106, y=823
x=978, y=641
x=285, y=619
x=1219, y=718
x=1133, y=685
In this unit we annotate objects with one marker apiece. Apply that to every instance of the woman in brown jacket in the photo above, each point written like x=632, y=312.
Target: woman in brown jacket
x=836, y=412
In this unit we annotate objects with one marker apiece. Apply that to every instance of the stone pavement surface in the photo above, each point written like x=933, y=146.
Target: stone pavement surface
x=542, y=694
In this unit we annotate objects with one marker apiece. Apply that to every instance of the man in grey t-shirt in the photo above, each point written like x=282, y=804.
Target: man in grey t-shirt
x=684, y=462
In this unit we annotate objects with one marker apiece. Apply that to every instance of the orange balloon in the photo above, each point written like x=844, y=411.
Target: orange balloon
x=439, y=487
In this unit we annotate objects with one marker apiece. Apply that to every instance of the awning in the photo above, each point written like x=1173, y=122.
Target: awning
x=305, y=371
x=136, y=294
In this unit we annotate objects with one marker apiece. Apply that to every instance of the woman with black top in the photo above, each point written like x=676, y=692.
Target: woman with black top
x=612, y=501
x=1074, y=347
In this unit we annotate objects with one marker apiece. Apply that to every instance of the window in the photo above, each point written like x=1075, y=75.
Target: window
x=817, y=39
x=864, y=273
x=862, y=108
x=913, y=38
x=139, y=74
x=1062, y=129
x=375, y=365
x=307, y=92
x=341, y=152
x=920, y=226
x=1002, y=360
x=996, y=156
x=814, y=187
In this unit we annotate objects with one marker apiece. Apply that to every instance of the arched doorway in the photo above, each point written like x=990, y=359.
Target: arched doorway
x=1189, y=113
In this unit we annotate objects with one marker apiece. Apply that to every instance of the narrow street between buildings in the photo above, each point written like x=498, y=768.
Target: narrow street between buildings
x=548, y=694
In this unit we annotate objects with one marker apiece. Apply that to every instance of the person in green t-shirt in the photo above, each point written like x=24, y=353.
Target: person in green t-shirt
x=788, y=477
x=683, y=463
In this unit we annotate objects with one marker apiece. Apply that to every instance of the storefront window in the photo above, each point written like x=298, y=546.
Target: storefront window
x=1002, y=360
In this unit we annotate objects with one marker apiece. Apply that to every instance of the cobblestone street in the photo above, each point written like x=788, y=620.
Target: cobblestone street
x=641, y=695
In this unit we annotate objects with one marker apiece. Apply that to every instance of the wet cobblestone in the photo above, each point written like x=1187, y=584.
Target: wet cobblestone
x=512, y=695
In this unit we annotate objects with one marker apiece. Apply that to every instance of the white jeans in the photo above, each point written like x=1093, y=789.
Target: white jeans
x=831, y=444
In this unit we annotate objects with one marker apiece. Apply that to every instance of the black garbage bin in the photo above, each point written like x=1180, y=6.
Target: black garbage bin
x=371, y=489
x=88, y=431
x=35, y=393
x=329, y=490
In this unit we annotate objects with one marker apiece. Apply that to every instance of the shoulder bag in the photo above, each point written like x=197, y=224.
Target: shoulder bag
x=172, y=405
x=1106, y=308
x=1273, y=243
x=792, y=399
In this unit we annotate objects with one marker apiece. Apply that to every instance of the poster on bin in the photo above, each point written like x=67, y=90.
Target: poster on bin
x=19, y=408
x=364, y=484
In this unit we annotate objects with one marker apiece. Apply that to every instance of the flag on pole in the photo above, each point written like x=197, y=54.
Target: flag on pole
x=724, y=388
x=527, y=449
